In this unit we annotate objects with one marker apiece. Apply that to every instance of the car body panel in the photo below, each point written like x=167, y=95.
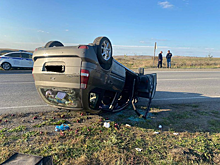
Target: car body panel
x=148, y=89
x=26, y=60
x=70, y=78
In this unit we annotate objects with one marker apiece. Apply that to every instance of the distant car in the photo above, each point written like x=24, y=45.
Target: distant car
x=18, y=59
x=88, y=77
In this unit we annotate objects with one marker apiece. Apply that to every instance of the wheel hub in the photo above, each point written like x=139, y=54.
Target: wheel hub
x=106, y=50
x=6, y=66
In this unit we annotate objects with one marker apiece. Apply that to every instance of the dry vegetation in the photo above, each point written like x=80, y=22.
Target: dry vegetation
x=3, y=51
x=135, y=62
x=88, y=142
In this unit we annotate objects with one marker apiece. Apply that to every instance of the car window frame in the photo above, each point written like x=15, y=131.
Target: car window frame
x=29, y=55
x=9, y=55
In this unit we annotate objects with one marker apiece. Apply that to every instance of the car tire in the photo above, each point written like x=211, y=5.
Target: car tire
x=6, y=66
x=104, y=52
x=53, y=44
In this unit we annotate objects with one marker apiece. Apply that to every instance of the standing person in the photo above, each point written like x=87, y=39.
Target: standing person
x=160, y=59
x=169, y=55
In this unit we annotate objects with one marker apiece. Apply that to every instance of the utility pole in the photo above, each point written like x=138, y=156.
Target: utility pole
x=155, y=47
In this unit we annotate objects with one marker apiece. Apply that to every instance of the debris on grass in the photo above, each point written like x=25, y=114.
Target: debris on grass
x=62, y=127
x=62, y=116
x=127, y=125
x=35, y=117
x=116, y=126
x=156, y=133
x=18, y=158
x=138, y=149
x=106, y=124
x=160, y=126
x=62, y=134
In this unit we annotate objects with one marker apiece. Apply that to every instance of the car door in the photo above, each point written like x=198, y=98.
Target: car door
x=116, y=78
x=26, y=60
x=146, y=85
x=14, y=59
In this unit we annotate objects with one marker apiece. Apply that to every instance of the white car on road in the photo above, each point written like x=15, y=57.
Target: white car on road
x=18, y=59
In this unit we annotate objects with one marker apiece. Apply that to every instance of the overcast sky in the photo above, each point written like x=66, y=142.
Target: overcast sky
x=186, y=27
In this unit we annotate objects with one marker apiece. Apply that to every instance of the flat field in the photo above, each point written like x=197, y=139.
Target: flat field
x=135, y=62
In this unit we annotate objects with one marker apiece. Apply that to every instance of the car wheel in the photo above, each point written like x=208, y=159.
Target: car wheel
x=104, y=51
x=6, y=66
x=53, y=44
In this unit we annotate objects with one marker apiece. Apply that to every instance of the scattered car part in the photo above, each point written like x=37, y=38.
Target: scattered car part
x=24, y=159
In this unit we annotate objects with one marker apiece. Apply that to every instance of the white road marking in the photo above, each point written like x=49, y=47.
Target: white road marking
x=187, y=98
x=28, y=106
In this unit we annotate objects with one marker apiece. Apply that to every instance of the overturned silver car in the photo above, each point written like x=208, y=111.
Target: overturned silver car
x=87, y=77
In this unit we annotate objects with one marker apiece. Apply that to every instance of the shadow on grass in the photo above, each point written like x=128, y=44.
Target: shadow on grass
x=176, y=111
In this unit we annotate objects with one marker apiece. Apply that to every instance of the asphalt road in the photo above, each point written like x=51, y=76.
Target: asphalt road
x=179, y=87
x=18, y=93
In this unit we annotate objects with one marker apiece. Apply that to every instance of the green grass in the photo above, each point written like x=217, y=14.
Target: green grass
x=214, y=125
x=88, y=142
x=17, y=129
x=50, y=122
x=114, y=147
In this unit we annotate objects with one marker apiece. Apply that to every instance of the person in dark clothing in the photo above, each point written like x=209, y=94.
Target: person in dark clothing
x=168, y=57
x=160, y=60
